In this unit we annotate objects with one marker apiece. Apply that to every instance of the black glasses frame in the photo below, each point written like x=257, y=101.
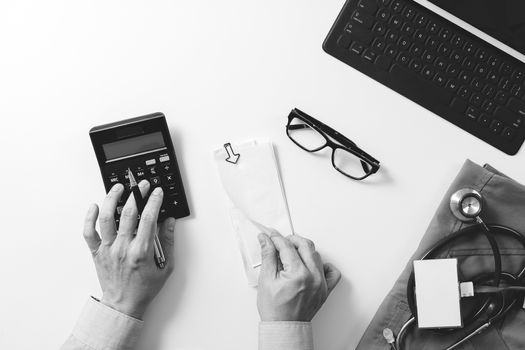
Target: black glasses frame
x=370, y=164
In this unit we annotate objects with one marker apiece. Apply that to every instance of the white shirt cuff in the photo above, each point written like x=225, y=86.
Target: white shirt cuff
x=101, y=327
x=285, y=336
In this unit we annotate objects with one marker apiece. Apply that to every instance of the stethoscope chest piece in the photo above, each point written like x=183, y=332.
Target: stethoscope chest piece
x=466, y=204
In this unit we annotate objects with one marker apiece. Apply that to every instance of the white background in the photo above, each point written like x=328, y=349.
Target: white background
x=220, y=71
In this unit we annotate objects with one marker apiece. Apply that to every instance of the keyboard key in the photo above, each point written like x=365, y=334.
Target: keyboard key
x=481, y=70
x=416, y=65
x=470, y=48
x=488, y=106
x=433, y=27
x=444, y=50
x=473, y=114
x=493, y=77
x=517, y=90
x=397, y=6
x=409, y=13
x=363, y=19
x=517, y=106
x=428, y=72
x=384, y=62
x=357, y=48
x=380, y=28
x=403, y=58
x=396, y=22
x=509, y=117
x=496, y=126
x=404, y=43
x=344, y=41
x=476, y=84
x=489, y=91
x=458, y=41
x=392, y=36
x=368, y=6
x=484, y=120
x=453, y=71
x=429, y=57
x=432, y=43
x=408, y=29
x=452, y=86
x=416, y=50
x=456, y=56
x=518, y=76
x=420, y=36
x=464, y=92
x=506, y=68
x=505, y=84
x=421, y=20
x=509, y=133
x=370, y=55
x=494, y=62
x=379, y=44
x=383, y=15
x=459, y=105
x=465, y=77
x=468, y=63
x=441, y=63
x=440, y=79
x=391, y=51
x=476, y=100
x=359, y=33
x=501, y=98
x=445, y=34
x=481, y=55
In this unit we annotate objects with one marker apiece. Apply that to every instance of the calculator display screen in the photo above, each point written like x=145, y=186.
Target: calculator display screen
x=134, y=145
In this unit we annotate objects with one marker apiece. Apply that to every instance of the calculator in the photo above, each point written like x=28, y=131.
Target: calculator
x=142, y=144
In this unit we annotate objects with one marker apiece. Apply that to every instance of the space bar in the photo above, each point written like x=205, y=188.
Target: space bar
x=419, y=87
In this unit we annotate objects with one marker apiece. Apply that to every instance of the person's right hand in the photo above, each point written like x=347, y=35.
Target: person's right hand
x=293, y=282
x=124, y=260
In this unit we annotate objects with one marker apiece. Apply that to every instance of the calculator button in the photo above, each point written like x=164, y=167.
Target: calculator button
x=168, y=179
x=150, y=162
x=155, y=181
x=140, y=175
x=152, y=171
x=171, y=190
x=165, y=168
x=163, y=159
x=113, y=180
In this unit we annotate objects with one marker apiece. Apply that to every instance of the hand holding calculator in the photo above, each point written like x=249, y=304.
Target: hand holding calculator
x=144, y=146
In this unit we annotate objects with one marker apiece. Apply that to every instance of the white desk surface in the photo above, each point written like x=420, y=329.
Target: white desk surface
x=220, y=71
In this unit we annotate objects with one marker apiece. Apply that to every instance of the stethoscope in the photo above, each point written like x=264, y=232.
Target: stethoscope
x=497, y=292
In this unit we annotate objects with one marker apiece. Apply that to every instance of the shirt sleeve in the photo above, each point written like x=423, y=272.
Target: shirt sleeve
x=103, y=328
x=285, y=336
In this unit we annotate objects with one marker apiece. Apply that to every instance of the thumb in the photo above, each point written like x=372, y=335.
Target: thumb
x=332, y=275
x=167, y=238
x=268, y=255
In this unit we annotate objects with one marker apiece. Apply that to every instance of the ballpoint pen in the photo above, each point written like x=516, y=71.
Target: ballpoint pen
x=160, y=259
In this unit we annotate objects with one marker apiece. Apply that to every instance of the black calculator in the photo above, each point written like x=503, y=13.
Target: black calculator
x=142, y=144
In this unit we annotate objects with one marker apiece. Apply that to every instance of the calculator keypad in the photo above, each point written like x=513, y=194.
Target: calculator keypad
x=160, y=172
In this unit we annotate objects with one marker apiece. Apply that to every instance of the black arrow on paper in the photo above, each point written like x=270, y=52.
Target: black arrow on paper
x=232, y=156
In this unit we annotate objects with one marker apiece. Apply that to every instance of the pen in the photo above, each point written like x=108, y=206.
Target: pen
x=160, y=259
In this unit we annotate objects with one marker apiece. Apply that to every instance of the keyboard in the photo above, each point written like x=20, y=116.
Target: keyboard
x=436, y=64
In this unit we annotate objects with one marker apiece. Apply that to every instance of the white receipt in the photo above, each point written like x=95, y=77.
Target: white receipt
x=256, y=198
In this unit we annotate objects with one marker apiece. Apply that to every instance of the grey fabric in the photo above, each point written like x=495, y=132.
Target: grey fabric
x=505, y=200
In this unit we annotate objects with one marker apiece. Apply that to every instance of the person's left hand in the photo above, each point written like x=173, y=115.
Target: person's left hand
x=124, y=261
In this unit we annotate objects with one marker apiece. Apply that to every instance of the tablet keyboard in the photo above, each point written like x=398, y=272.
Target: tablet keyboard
x=436, y=64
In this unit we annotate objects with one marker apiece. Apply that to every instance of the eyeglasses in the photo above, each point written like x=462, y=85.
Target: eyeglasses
x=313, y=136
